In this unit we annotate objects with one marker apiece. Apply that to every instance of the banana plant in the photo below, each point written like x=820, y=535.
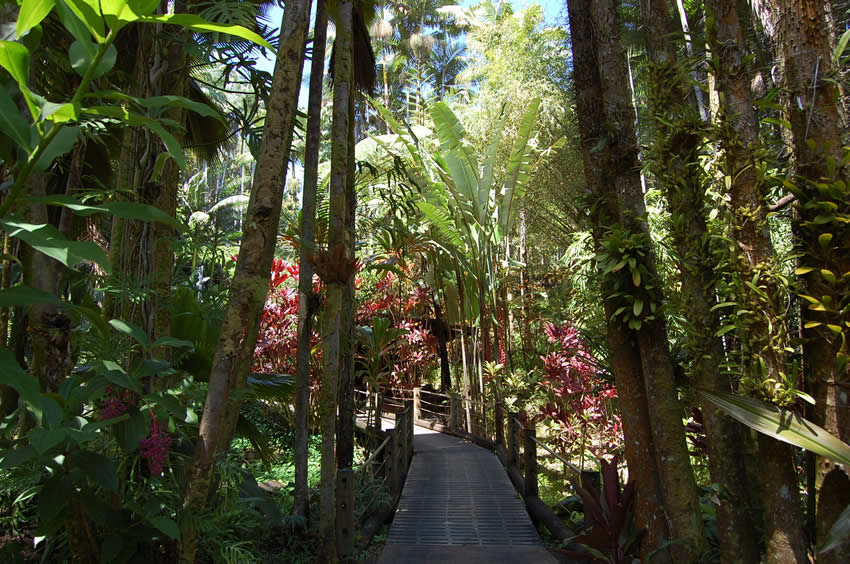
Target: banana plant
x=470, y=200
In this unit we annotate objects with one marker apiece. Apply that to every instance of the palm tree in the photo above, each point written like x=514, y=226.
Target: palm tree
x=446, y=63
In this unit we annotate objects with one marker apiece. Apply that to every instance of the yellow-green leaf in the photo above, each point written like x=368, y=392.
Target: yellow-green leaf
x=828, y=276
x=31, y=14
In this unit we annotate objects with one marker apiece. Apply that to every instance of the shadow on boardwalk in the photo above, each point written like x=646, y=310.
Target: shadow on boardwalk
x=458, y=505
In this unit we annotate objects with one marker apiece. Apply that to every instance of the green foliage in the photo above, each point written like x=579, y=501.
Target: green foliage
x=623, y=260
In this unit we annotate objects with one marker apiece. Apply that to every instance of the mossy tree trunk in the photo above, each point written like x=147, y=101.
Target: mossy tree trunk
x=674, y=158
x=824, y=207
x=625, y=356
x=144, y=252
x=679, y=492
x=249, y=288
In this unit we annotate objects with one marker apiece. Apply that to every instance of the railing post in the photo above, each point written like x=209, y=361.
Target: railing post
x=417, y=404
x=454, y=412
x=378, y=407
x=393, y=455
x=411, y=422
x=530, y=455
x=499, y=415
x=592, y=482
x=345, y=512
x=513, y=440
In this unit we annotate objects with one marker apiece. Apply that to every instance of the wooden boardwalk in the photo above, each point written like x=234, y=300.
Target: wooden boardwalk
x=458, y=505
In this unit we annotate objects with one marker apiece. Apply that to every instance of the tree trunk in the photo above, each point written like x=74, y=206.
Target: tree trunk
x=674, y=158
x=441, y=332
x=811, y=106
x=625, y=358
x=306, y=298
x=338, y=259
x=234, y=353
x=345, y=425
x=681, y=502
x=753, y=251
x=160, y=70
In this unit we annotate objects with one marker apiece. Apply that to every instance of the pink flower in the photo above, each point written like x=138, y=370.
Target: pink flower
x=154, y=449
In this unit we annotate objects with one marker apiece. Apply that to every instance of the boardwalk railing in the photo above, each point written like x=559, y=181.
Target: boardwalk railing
x=491, y=426
x=386, y=466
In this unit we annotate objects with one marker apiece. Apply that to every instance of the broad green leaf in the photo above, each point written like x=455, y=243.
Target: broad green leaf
x=61, y=144
x=52, y=413
x=637, y=308
x=12, y=123
x=143, y=212
x=15, y=58
x=131, y=118
x=124, y=210
x=116, y=375
x=182, y=102
x=132, y=330
x=117, y=13
x=48, y=240
x=81, y=57
x=199, y=24
x=13, y=458
x=840, y=530
x=167, y=526
x=828, y=275
x=519, y=166
x=89, y=13
x=781, y=424
x=100, y=469
x=45, y=439
x=804, y=270
x=59, y=113
x=24, y=295
x=129, y=432
x=723, y=330
x=26, y=385
x=31, y=14
x=173, y=342
x=73, y=23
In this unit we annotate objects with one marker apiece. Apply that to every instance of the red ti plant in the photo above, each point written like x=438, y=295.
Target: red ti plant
x=614, y=538
x=579, y=397
x=277, y=339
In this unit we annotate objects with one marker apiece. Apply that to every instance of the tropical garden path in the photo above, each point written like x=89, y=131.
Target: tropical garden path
x=458, y=505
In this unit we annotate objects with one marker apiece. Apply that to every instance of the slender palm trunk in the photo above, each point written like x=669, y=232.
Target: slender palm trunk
x=234, y=354
x=307, y=301
x=336, y=275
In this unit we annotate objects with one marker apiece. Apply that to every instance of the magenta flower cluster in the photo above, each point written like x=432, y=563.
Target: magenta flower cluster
x=117, y=403
x=154, y=449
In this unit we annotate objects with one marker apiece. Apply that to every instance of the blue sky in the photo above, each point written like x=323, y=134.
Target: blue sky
x=552, y=11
